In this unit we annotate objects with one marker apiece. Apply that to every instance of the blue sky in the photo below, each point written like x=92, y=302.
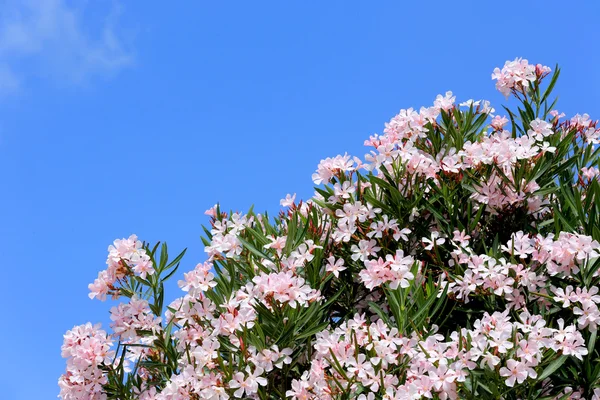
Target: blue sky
x=135, y=117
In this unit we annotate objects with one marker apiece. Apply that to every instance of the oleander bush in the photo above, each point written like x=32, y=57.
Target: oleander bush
x=458, y=259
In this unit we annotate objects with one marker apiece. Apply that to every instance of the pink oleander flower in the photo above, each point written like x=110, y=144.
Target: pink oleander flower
x=434, y=241
x=288, y=201
x=211, y=212
x=516, y=75
x=247, y=384
x=540, y=129
x=284, y=287
x=394, y=270
x=445, y=102
x=590, y=173
x=133, y=316
x=86, y=349
x=329, y=167
x=499, y=122
x=123, y=255
x=517, y=371
x=199, y=280
x=335, y=266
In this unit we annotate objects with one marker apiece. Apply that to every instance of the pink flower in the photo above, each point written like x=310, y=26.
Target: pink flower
x=211, y=212
x=435, y=240
x=123, y=255
x=199, y=280
x=329, y=167
x=461, y=238
x=445, y=102
x=516, y=371
x=590, y=173
x=86, y=349
x=142, y=266
x=299, y=391
x=133, y=316
x=100, y=287
x=288, y=201
x=284, y=287
x=540, y=129
x=499, y=122
x=335, y=266
x=248, y=385
x=277, y=243
x=515, y=75
x=520, y=245
x=589, y=316
x=364, y=250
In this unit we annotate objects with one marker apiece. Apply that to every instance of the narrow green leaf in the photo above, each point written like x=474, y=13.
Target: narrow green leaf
x=553, y=366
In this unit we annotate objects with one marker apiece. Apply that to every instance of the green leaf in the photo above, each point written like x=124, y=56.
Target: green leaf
x=552, y=367
x=255, y=251
x=551, y=84
x=384, y=317
x=176, y=260
x=164, y=255
x=592, y=342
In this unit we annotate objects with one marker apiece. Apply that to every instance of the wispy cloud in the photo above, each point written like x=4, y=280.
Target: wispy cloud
x=54, y=40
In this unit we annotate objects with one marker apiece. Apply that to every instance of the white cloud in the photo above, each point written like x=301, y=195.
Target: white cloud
x=51, y=39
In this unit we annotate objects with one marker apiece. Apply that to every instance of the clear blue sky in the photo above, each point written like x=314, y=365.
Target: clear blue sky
x=135, y=117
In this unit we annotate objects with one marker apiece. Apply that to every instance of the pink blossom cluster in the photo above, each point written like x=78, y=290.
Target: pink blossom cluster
x=331, y=167
x=128, y=318
x=299, y=256
x=586, y=307
x=397, y=145
x=125, y=256
x=198, y=380
x=199, y=280
x=394, y=270
x=590, y=173
x=86, y=348
x=517, y=75
x=564, y=255
x=281, y=288
x=538, y=259
x=199, y=336
x=587, y=127
x=225, y=236
x=372, y=355
x=201, y=326
x=349, y=216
